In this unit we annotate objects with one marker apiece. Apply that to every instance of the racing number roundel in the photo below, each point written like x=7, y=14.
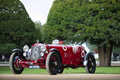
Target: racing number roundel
x=65, y=48
x=75, y=49
x=83, y=52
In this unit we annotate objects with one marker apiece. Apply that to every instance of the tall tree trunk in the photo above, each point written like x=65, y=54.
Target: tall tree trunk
x=108, y=55
x=105, y=55
x=101, y=55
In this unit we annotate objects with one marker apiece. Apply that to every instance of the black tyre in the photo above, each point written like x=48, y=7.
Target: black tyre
x=13, y=61
x=60, y=71
x=53, y=63
x=91, y=65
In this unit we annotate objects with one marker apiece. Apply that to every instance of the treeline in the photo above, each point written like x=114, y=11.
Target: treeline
x=16, y=27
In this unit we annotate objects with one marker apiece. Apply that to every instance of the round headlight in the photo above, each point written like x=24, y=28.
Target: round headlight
x=43, y=48
x=42, y=54
x=25, y=48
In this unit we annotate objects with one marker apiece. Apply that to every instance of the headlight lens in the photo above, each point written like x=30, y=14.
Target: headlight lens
x=43, y=48
x=42, y=54
x=25, y=48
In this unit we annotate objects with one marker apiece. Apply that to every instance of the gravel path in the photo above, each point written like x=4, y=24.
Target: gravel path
x=60, y=77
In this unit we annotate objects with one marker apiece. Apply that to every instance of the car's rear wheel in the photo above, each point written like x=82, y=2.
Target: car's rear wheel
x=53, y=63
x=91, y=65
x=14, y=66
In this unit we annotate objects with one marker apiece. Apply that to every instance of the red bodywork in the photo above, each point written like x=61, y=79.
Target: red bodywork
x=71, y=56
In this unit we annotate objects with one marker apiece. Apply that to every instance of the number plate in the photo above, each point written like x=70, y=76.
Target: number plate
x=34, y=66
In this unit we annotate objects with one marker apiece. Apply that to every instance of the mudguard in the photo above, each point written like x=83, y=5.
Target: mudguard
x=19, y=51
x=53, y=49
x=86, y=57
x=16, y=50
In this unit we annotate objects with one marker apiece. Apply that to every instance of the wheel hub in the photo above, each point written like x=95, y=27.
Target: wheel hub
x=16, y=63
x=55, y=63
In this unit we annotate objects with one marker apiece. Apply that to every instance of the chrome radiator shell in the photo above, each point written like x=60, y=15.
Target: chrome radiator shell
x=35, y=53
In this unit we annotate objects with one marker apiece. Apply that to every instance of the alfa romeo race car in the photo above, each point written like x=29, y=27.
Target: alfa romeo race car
x=53, y=57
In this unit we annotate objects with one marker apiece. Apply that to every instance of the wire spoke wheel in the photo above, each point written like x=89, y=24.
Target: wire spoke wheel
x=53, y=63
x=91, y=65
x=14, y=66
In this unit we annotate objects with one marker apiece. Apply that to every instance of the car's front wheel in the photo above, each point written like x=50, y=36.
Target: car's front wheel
x=60, y=71
x=91, y=64
x=14, y=66
x=53, y=63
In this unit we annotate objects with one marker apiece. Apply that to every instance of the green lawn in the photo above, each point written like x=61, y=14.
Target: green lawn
x=99, y=70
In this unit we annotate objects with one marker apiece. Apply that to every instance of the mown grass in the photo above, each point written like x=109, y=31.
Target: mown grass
x=99, y=70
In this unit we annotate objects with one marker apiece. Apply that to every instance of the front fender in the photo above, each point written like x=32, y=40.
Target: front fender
x=16, y=50
x=19, y=51
x=53, y=49
x=86, y=57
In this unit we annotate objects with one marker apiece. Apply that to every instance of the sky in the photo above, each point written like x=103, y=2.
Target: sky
x=38, y=9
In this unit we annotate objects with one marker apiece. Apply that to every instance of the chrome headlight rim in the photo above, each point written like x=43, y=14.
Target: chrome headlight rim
x=43, y=48
x=26, y=48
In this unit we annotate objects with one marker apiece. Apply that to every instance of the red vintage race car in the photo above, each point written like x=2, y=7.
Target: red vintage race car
x=53, y=57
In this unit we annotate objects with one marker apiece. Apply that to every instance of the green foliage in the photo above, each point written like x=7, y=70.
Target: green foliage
x=7, y=48
x=51, y=33
x=15, y=25
x=39, y=26
x=95, y=21
x=116, y=50
x=91, y=47
x=39, y=30
x=59, y=23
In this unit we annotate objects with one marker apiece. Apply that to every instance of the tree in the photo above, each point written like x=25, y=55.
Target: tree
x=39, y=30
x=94, y=21
x=7, y=48
x=15, y=24
x=51, y=32
x=102, y=27
x=59, y=23
x=116, y=50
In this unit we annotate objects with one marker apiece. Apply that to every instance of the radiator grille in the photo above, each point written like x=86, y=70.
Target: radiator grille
x=35, y=53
